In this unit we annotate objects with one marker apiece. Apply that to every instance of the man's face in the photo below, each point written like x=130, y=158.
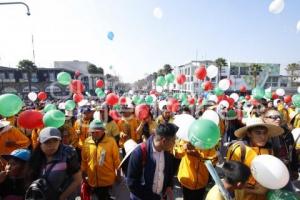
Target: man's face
x=97, y=133
x=168, y=143
x=166, y=115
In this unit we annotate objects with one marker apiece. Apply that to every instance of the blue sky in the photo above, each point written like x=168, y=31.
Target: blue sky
x=238, y=30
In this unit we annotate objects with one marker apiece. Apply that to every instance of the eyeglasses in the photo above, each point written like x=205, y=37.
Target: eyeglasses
x=274, y=117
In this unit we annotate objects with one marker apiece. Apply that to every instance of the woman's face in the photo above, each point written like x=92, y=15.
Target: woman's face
x=273, y=117
x=258, y=136
x=50, y=146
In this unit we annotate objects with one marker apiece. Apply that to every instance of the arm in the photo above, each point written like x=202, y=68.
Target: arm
x=72, y=187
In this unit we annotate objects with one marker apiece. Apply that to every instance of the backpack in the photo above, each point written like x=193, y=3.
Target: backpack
x=39, y=188
x=240, y=144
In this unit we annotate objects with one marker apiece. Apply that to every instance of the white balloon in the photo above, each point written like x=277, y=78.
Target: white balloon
x=62, y=106
x=270, y=172
x=211, y=71
x=298, y=89
x=83, y=102
x=224, y=84
x=211, y=115
x=213, y=98
x=268, y=89
x=298, y=26
x=224, y=103
x=130, y=92
x=96, y=115
x=276, y=6
x=157, y=13
x=183, y=121
x=275, y=102
x=234, y=96
x=159, y=89
x=128, y=101
x=161, y=104
x=32, y=96
x=280, y=92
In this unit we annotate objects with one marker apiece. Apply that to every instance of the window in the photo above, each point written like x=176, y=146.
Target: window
x=244, y=71
x=234, y=70
x=33, y=77
x=24, y=75
x=11, y=76
x=189, y=70
x=51, y=76
x=192, y=78
x=2, y=76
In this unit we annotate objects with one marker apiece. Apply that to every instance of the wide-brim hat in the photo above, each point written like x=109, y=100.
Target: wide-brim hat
x=273, y=130
x=129, y=146
x=4, y=123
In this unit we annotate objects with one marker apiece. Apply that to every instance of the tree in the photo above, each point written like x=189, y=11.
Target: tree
x=29, y=67
x=293, y=70
x=93, y=69
x=167, y=69
x=254, y=70
x=220, y=62
x=161, y=72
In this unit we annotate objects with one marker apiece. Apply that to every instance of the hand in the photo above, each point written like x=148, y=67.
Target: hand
x=169, y=194
x=10, y=143
x=123, y=135
x=188, y=146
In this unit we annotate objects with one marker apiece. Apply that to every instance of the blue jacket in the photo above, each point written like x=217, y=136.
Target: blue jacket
x=140, y=184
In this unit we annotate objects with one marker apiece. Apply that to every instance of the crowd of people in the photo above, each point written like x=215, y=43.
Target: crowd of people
x=99, y=146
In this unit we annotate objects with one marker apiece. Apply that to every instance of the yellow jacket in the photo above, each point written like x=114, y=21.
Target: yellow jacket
x=81, y=128
x=159, y=120
x=69, y=135
x=112, y=129
x=12, y=134
x=129, y=124
x=284, y=113
x=100, y=162
x=234, y=153
x=296, y=121
x=192, y=172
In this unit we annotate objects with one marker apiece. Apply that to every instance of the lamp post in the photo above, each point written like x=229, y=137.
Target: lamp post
x=22, y=3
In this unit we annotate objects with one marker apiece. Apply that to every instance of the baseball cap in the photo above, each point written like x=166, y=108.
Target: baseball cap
x=96, y=124
x=49, y=133
x=21, y=154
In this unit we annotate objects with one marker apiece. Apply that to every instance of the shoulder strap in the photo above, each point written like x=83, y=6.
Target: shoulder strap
x=47, y=172
x=144, y=153
x=243, y=150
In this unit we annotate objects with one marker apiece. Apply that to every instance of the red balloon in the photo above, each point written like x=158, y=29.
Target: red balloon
x=78, y=97
x=254, y=102
x=287, y=99
x=181, y=79
x=207, y=85
x=31, y=119
x=243, y=88
x=154, y=92
x=122, y=100
x=231, y=102
x=191, y=101
x=76, y=86
x=112, y=99
x=42, y=96
x=142, y=111
x=222, y=97
x=200, y=73
x=77, y=73
x=100, y=83
x=274, y=95
x=173, y=105
x=247, y=97
x=115, y=115
x=200, y=100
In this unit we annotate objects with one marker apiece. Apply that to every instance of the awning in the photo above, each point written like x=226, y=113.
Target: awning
x=33, y=89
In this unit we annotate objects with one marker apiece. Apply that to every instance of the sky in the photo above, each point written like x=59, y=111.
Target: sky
x=66, y=30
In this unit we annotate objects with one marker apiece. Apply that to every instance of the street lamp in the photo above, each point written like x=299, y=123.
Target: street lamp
x=22, y=3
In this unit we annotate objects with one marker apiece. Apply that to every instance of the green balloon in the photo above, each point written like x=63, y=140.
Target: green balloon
x=258, y=93
x=149, y=100
x=204, y=134
x=70, y=105
x=268, y=95
x=170, y=78
x=185, y=102
x=135, y=99
x=117, y=107
x=218, y=91
x=176, y=96
x=64, y=78
x=100, y=93
x=10, y=104
x=49, y=107
x=282, y=195
x=183, y=97
x=296, y=100
x=241, y=98
x=54, y=118
x=140, y=101
x=160, y=81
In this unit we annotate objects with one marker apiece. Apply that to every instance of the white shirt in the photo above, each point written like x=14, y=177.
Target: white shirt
x=158, y=180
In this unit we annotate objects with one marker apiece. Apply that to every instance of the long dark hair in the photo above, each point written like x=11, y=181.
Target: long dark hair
x=35, y=163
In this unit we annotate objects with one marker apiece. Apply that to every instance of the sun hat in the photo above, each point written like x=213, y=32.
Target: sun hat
x=129, y=146
x=22, y=154
x=273, y=130
x=49, y=133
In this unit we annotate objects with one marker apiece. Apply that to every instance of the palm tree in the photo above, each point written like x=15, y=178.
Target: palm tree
x=167, y=69
x=254, y=70
x=29, y=67
x=293, y=69
x=220, y=62
x=92, y=69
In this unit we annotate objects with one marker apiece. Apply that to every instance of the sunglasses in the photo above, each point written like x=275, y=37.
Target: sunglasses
x=274, y=117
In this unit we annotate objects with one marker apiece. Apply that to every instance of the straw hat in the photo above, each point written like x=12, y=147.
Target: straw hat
x=129, y=146
x=273, y=130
